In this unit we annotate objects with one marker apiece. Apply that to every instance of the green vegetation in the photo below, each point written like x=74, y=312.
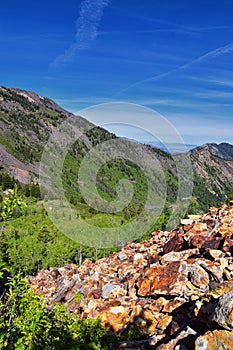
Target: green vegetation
x=26, y=324
x=31, y=242
x=12, y=205
x=205, y=198
x=230, y=196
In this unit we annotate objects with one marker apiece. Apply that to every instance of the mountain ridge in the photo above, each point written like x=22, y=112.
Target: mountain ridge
x=27, y=119
x=222, y=150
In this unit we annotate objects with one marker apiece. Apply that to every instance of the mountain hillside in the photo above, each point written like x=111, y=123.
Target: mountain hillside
x=27, y=120
x=213, y=167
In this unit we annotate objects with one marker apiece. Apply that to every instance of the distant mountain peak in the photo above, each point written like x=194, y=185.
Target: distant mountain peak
x=31, y=96
x=223, y=150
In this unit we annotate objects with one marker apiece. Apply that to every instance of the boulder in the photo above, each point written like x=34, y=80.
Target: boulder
x=170, y=280
x=216, y=340
x=223, y=313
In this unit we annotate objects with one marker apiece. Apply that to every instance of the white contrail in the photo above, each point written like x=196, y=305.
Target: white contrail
x=91, y=12
x=211, y=54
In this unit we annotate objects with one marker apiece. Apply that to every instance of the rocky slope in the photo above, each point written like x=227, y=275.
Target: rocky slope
x=214, y=163
x=174, y=291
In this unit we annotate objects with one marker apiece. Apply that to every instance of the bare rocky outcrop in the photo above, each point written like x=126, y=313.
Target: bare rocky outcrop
x=175, y=289
x=214, y=163
x=24, y=173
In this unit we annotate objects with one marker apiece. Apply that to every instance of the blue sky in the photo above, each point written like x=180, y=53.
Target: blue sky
x=175, y=57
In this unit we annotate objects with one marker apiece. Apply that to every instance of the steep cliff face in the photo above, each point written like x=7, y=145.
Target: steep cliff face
x=173, y=290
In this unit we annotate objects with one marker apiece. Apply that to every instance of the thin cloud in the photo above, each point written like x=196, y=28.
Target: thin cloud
x=174, y=24
x=149, y=31
x=89, y=100
x=87, y=24
x=217, y=81
x=215, y=94
x=211, y=54
x=174, y=29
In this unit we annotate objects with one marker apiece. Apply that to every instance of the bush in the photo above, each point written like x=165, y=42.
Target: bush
x=25, y=323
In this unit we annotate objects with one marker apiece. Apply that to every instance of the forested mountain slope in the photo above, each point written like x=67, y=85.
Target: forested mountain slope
x=27, y=120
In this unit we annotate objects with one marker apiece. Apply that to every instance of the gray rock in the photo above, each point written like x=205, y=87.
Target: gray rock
x=199, y=277
x=95, y=276
x=223, y=313
x=108, y=289
x=122, y=256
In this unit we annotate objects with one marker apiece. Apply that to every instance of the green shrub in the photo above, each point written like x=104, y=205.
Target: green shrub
x=12, y=205
x=25, y=323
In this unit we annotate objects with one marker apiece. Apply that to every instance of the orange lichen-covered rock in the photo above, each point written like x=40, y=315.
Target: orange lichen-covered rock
x=147, y=322
x=216, y=340
x=116, y=317
x=164, y=280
